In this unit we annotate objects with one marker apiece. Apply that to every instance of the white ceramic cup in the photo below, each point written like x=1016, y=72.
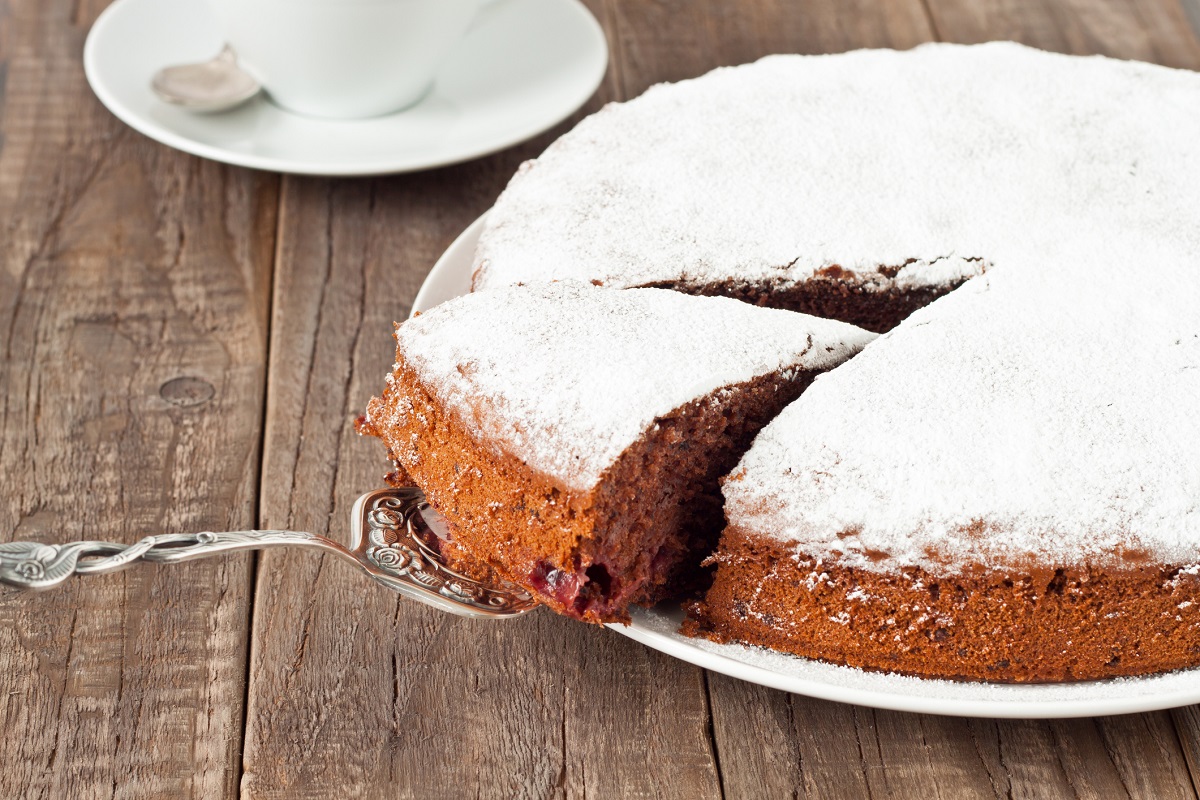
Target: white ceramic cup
x=344, y=59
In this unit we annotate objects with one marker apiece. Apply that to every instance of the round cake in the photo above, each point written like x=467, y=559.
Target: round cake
x=1005, y=486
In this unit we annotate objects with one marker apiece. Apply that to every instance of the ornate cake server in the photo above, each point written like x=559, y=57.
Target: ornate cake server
x=392, y=539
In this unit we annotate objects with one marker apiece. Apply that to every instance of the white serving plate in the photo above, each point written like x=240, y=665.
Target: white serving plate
x=659, y=628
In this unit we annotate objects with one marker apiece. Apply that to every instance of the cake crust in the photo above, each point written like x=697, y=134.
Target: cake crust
x=1036, y=626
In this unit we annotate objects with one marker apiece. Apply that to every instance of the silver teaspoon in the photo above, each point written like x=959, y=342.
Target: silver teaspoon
x=215, y=85
x=393, y=535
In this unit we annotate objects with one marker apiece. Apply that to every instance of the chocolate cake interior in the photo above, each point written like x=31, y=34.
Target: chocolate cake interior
x=831, y=294
x=659, y=512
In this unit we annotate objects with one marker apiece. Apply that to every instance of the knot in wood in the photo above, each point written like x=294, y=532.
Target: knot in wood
x=187, y=391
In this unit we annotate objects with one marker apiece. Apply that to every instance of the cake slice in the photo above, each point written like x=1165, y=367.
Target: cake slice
x=574, y=436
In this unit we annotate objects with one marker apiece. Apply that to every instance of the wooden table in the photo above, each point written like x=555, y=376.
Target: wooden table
x=185, y=346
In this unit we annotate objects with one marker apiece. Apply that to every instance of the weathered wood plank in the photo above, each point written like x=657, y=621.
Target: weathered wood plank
x=128, y=267
x=354, y=691
x=133, y=300
x=670, y=40
x=1146, y=30
x=1187, y=725
x=1141, y=750
x=1191, y=9
x=822, y=749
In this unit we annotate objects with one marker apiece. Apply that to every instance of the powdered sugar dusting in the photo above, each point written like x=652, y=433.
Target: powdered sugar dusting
x=568, y=375
x=932, y=162
x=1046, y=411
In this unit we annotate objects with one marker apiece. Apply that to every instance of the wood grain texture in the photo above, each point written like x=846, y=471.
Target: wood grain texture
x=151, y=306
x=1191, y=9
x=1147, y=30
x=1187, y=725
x=133, y=299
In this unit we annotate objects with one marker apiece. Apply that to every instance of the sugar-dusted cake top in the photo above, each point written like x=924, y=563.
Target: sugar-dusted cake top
x=568, y=375
x=935, y=161
x=1045, y=413
x=1047, y=409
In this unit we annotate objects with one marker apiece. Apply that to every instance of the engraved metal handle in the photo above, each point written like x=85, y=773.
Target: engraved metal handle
x=393, y=539
x=33, y=565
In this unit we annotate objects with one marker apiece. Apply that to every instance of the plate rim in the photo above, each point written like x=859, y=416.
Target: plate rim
x=455, y=265
x=114, y=13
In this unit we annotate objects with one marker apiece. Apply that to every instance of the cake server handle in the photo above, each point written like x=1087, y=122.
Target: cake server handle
x=391, y=534
x=37, y=566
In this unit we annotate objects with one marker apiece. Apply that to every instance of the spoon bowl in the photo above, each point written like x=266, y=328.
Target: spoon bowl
x=218, y=84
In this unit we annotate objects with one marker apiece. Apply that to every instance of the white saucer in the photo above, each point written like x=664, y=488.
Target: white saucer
x=524, y=67
x=659, y=628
